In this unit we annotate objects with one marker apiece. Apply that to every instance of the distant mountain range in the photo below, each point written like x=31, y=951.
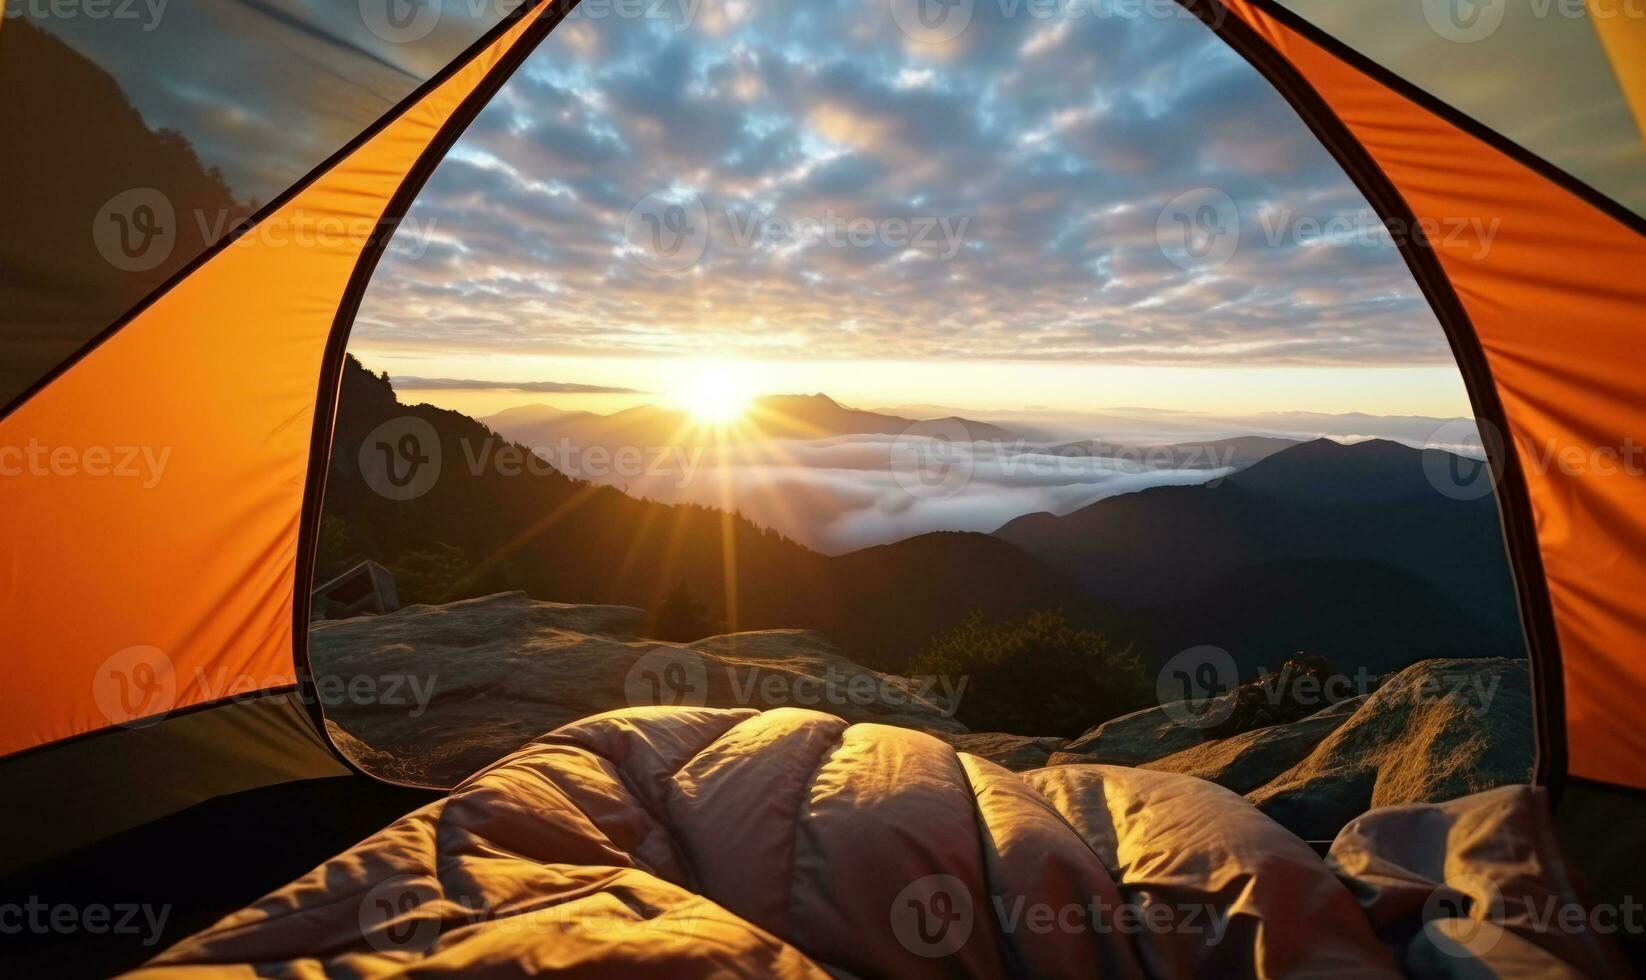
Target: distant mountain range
x=769, y=417
x=568, y=540
x=1342, y=551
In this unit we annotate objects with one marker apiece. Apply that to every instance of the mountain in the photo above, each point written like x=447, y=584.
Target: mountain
x=769, y=417
x=1347, y=551
x=1239, y=451
x=484, y=526
x=1342, y=551
x=67, y=159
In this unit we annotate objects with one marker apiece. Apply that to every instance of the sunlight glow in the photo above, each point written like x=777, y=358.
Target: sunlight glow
x=714, y=392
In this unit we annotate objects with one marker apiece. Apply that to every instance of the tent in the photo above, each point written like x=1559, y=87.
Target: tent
x=155, y=629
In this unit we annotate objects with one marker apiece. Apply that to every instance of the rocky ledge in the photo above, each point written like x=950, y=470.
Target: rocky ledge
x=430, y=693
x=1436, y=730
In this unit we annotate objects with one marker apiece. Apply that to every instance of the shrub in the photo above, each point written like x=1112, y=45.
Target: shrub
x=1037, y=675
x=428, y=574
x=682, y=617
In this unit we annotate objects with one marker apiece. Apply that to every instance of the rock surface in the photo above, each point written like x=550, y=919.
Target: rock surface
x=429, y=694
x=1246, y=761
x=1015, y=752
x=1142, y=736
x=434, y=692
x=1437, y=730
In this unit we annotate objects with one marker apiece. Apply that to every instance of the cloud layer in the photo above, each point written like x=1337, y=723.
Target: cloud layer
x=1057, y=140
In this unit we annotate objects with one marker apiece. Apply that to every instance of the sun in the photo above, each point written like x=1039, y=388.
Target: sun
x=714, y=392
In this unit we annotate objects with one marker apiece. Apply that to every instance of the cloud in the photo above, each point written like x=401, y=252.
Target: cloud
x=405, y=383
x=845, y=493
x=1059, y=141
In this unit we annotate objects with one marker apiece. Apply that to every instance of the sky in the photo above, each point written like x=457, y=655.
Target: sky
x=1053, y=146
x=995, y=222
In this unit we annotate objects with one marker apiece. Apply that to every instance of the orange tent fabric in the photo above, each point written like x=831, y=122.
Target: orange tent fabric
x=1558, y=302
x=137, y=585
x=174, y=584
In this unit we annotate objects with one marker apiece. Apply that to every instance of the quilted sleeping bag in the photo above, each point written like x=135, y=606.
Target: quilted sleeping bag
x=681, y=842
